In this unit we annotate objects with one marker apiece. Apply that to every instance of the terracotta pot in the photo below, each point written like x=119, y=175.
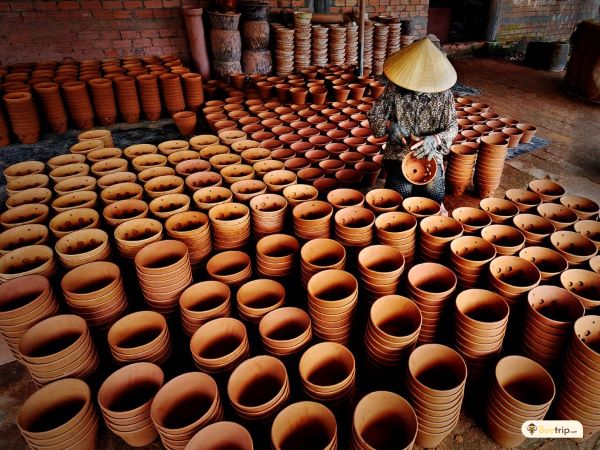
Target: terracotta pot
x=421, y=207
x=258, y=297
x=221, y=434
x=500, y=210
x=228, y=218
x=30, y=260
x=528, y=132
x=203, y=302
x=546, y=189
x=583, y=207
x=305, y=422
x=574, y=247
x=583, y=284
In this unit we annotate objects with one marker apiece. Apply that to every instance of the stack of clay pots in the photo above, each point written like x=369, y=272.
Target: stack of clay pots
x=140, y=336
x=230, y=225
x=131, y=236
x=584, y=284
x=305, y=422
x=220, y=345
x=421, y=207
x=233, y=268
x=392, y=331
x=398, y=230
x=380, y=39
x=548, y=191
x=24, y=302
x=276, y=255
x=103, y=96
x=469, y=257
x=337, y=45
x=23, y=116
x=127, y=99
x=490, y=163
x=54, y=109
x=302, y=40
x=351, y=43
x=332, y=302
x=312, y=220
x=95, y=292
x=256, y=298
x=499, y=209
x=285, y=331
x=256, y=56
x=391, y=415
x=354, y=227
x=59, y=415
x=368, y=44
x=513, y=277
x=193, y=229
x=328, y=374
x=536, y=229
x=164, y=272
x=83, y=246
x=58, y=347
x=436, y=382
x=150, y=96
x=183, y=406
x=125, y=398
x=321, y=254
x=394, y=37
x=579, y=392
x=226, y=43
x=436, y=233
x=560, y=216
x=380, y=268
x=550, y=263
x=320, y=43
x=192, y=88
x=574, y=247
x=521, y=390
x=480, y=322
x=172, y=90
x=406, y=37
x=202, y=302
x=551, y=312
x=284, y=50
x=268, y=214
x=258, y=388
x=583, y=207
x=431, y=286
x=222, y=435
x=460, y=167
x=506, y=239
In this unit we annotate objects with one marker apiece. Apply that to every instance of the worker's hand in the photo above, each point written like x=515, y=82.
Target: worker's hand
x=397, y=133
x=428, y=149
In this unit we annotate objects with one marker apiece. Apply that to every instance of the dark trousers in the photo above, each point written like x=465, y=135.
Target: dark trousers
x=395, y=180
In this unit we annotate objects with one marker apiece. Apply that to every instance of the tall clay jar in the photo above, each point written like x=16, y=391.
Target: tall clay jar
x=195, y=31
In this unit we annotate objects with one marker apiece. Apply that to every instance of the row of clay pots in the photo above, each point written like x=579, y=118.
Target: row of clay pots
x=490, y=163
x=82, y=247
x=202, y=302
x=276, y=255
x=380, y=268
x=460, y=167
x=29, y=260
x=24, y=302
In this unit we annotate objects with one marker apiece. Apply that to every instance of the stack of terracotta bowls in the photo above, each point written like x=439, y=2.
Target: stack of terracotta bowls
x=321, y=254
x=328, y=374
x=125, y=398
x=202, y=302
x=383, y=200
x=421, y=207
x=24, y=119
x=276, y=255
x=480, y=322
x=95, y=292
x=131, y=236
x=522, y=390
x=258, y=388
x=549, y=262
x=506, y=239
x=183, y=406
x=560, y=216
x=332, y=302
x=29, y=260
x=551, y=312
x=398, y=230
x=583, y=207
x=490, y=163
x=578, y=396
x=312, y=220
x=164, y=272
x=54, y=109
x=392, y=331
x=220, y=345
x=24, y=302
x=574, y=247
x=193, y=229
x=380, y=268
x=82, y=247
x=285, y=331
x=524, y=199
x=431, y=286
x=221, y=435
x=268, y=214
x=391, y=415
x=345, y=198
x=256, y=298
x=548, y=190
x=436, y=383
x=513, y=277
x=584, y=284
x=536, y=229
x=305, y=422
x=469, y=257
x=233, y=268
x=460, y=167
x=24, y=215
x=230, y=223
x=58, y=347
x=60, y=415
x=436, y=233
x=140, y=336
x=354, y=227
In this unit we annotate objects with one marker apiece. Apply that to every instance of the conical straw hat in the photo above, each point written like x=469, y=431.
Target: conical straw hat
x=420, y=67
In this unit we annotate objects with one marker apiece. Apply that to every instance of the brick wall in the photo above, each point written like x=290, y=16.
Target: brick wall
x=55, y=30
x=548, y=20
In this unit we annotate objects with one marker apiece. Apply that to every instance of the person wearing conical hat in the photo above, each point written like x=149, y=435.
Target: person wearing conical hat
x=416, y=105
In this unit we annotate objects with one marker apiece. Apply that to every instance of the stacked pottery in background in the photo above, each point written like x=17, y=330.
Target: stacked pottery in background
x=521, y=390
x=226, y=43
x=436, y=383
x=480, y=322
x=318, y=255
x=368, y=45
x=394, y=37
x=302, y=41
x=23, y=116
x=490, y=163
x=256, y=55
x=285, y=331
x=380, y=39
x=351, y=43
x=406, y=36
x=337, y=45
x=398, y=230
x=284, y=51
x=436, y=234
x=460, y=167
x=54, y=108
x=276, y=255
x=320, y=42
x=578, y=394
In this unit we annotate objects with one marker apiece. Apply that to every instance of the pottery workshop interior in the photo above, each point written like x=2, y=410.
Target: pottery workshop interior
x=300, y=224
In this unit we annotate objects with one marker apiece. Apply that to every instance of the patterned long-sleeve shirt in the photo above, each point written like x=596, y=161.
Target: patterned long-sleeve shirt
x=421, y=114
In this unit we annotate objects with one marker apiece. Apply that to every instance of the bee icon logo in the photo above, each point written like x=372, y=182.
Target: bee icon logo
x=531, y=428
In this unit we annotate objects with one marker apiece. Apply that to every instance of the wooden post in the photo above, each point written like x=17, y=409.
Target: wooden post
x=493, y=24
x=361, y=37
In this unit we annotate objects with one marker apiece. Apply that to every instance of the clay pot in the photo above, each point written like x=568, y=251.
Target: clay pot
x=535, y=228
x=285, y=331
x=230, y=223
x=436, y=234
x=528, y=132
x=23, y=168
x=469, y=256
x=312, y=219
x=27, y=182
x=275, y=255
x=132, y=235
x=24, y=215
x=506, y=239
x=583, y=207
x=62, y=160
x=29, y=260
x=73, y=219
x=512, y=277
x=472, y=219
x=574, y=247
x=418, y=171
x=583, y=284
x=500, y=210
x=546, y=189
x=22, y=236
x=525, y=200
x=258, y=297
x=221, y=434
x=421, y=207
x=278, y=180
x=83, y=246
x=305, y=422
x=203, y=302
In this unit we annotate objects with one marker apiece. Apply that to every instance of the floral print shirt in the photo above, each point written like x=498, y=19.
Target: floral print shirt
x=421, y=114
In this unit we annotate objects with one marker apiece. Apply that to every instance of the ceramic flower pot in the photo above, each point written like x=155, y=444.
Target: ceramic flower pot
x=500, y=210
x=305, y=422
x=30, y=260
x=83, y=246
x=507, y=240
x=203, y=302
x=583, y=284
x=548, y=191
x=258, y=297
x=574, y=247
x=132, y=235
x=221, y=434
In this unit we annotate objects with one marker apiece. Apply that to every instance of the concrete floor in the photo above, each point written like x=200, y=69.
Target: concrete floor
x=572, y=159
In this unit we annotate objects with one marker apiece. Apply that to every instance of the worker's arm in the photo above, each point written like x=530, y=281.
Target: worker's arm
x=441, y=141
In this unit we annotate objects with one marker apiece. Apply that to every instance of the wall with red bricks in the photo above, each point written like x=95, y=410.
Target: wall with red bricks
x=547, y=20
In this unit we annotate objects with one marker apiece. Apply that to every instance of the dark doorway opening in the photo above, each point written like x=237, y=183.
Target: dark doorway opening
x=458, y=20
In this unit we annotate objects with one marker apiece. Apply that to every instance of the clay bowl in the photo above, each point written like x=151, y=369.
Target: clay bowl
x=507, y=240
x=221, y=435
x=22, y=236
x=418, y=171
x=589, y=229
x=258, y=297
x=219, y=344
x=472, y=252
x=524, y=199
x=70, y=185
x=395, y=319
x=327, y=368
x=30, y=260
x=549, y=262
x=583, y=207
x=574, y=247
x=421, y=207
x=396, y=225
x=561, y=216
x=584, y=284
x=120, y=191
x=431, y=280
x=148, y=174
x=200, y=180
x=547, y=190
x=305, y=422
x=285, y=329
x=123, y=210
x=535, y=228
x=428, y=359
x=74, y=219
x=500, y=210
x=513, y=274
x=481, y=309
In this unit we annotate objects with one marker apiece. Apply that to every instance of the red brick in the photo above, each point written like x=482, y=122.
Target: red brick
x=142, y=43
x=153, y=4
x=21, y=6
x=167, y=33
x=149, y=33
x=122, y=43
x=133, y=4
x=130, y=34
x=68, y=5
x=171, y=3
x=122, y=14
x=103, y=14
x=91, y=4
x=160, y=13
x=160, y=42
x=143, y=14
x=45, y=6
x=112, y=4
